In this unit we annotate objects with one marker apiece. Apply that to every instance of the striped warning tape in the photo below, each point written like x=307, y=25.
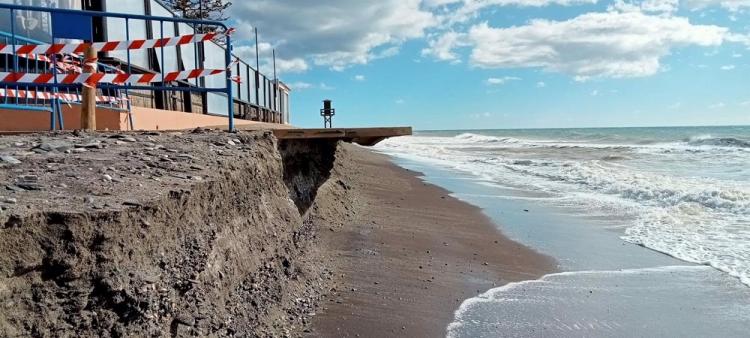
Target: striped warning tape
x=94, y=78
x=79, y=48
x=65, y=63
x=39, y=95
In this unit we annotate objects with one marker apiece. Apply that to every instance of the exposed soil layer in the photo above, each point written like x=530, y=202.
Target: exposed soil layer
x=149, y=234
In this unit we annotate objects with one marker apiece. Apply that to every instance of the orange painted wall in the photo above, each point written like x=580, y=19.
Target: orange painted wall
x=109, y=119
x=28, y=120
x=157, y=119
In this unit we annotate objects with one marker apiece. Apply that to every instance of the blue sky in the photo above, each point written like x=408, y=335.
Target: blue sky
x=470, y=64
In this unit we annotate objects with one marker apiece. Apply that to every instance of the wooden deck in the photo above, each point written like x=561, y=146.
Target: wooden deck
x=361, y=136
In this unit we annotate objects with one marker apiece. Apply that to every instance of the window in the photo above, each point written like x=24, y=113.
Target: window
x=117, y=30
x=216, y=59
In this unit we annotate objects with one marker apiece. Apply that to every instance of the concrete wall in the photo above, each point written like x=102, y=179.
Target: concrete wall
x=109, y=119
x=28, y=120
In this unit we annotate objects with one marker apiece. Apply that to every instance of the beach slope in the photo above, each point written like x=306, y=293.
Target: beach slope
x=411, y=254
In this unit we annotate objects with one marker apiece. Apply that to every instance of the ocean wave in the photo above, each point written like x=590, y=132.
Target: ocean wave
x=568, y=304
x=477, y=138
x=645, y=188
x=691, y=217
x=708, y=140
x=616, y=158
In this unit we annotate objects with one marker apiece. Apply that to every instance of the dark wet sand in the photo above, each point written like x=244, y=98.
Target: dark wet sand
x=412, y=256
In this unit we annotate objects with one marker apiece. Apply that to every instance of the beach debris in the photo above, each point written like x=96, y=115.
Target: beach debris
x=525, y=210
x=28, y=182
x=9, y=159
x=50, y=146
x=90, y=145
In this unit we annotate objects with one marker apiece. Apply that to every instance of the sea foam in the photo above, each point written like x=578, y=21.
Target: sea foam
x=688, y=198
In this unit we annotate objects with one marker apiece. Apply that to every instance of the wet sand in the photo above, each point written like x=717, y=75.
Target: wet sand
x=411, y=256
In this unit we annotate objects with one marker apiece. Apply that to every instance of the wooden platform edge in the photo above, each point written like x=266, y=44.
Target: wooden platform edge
x=361, y=136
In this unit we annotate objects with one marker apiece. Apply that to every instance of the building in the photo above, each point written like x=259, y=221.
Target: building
x=256, y=97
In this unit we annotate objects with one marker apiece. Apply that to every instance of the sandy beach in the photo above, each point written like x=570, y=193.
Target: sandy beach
x=411, y=256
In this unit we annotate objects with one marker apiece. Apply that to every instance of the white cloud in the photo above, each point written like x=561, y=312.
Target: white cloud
x=443, y=47
x=595, y=92
x=359, y=78
x=334, y=33
x=727, y=67
x=265, y=50
x=717, y=105
x=494, y=81
x=731, y=5
x=745, y=103
x=541, y=84
x=480, y=115
x=608, y=44
x=468, y=9
x=675, y=106
x=650, y=6
x=400, y=101
x=736, y=55
x=296, y=65
x=300, y=85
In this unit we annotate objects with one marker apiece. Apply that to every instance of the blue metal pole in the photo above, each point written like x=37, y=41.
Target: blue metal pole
x=229, y=83
x=127, y=91
x=53, y=103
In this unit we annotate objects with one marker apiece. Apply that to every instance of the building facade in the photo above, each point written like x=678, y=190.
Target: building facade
x=257, y=97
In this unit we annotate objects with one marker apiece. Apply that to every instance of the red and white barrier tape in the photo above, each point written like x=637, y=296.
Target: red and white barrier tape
x=64, y=63
x=79, y=48
x=37, y=95
x=94, y=78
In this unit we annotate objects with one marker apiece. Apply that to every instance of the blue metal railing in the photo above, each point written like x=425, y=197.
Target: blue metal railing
x=42, y=67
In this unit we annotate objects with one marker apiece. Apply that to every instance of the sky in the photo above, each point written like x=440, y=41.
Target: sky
x=486, y=64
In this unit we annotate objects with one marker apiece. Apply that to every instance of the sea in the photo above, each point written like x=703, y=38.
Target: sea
x=650, y=226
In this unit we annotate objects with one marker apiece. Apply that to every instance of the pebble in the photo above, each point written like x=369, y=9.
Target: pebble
x=231, y=143
x=91, y=145
x=128, y=139
x=53, y=146
x=14, y=188
x=10, y=200
x=108, y=178
x=9, y=159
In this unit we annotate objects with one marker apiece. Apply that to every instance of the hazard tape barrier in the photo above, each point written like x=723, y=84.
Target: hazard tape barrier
x=80, y=48
x=39, y=95
x=63, y=63
x=92, y=79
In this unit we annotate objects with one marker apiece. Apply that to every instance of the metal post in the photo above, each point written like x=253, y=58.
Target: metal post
x=127, y=91
x=257, y=75
x=229, y=83
x=275, y=83
x=54, y=99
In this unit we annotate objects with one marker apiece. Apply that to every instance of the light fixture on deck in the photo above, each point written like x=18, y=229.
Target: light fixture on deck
x=327, y=112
